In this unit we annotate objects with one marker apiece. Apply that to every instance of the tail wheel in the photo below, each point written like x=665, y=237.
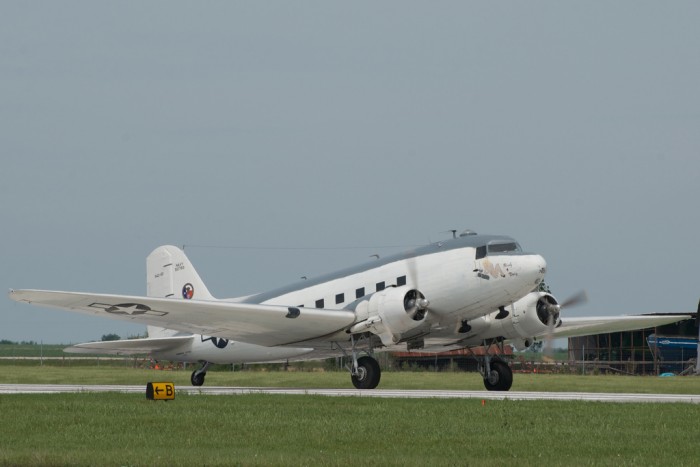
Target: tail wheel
x=368, y=373
x=500, y=378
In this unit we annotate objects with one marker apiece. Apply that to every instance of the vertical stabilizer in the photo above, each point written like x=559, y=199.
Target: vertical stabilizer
x=169, y=274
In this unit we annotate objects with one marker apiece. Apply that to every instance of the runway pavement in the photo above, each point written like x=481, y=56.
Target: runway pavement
x=385, y=393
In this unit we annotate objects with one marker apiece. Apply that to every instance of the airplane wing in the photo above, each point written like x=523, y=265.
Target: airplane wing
x=130, y=346
x=268, y=325
x=573, y=327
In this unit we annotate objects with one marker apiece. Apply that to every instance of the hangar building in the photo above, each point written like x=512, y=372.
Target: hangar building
x=671, y=348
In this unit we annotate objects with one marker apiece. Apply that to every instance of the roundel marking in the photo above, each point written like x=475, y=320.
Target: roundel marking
x=187, y=291
x=218, y=342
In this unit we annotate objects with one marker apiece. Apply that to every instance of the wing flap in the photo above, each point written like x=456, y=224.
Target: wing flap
x=268, y=325
x=130, y=346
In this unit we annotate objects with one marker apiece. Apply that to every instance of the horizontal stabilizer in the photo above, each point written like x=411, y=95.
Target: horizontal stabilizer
x=130, y=346
x=268, y=325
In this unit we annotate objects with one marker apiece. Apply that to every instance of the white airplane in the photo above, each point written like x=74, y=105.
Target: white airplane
x=472, y=290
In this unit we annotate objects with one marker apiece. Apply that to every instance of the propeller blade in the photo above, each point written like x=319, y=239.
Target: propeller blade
x=417, y=305
x=412, y=273
x=578, y=298
x=548, y=351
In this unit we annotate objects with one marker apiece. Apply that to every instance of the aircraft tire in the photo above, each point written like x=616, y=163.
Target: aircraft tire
x=197, y=379
x=501, y=377
x=368, y=375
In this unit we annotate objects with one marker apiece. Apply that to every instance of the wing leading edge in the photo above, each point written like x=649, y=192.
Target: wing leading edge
x=268, y=325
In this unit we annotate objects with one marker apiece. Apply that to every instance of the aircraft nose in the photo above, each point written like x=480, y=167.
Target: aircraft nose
x=531, y=269
x=541, y=264
x=534, y=269
x=540, y=267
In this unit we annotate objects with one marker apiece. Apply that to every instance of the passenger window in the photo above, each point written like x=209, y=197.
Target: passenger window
x=340, y=298
x=359, y=293
x=401, y=281
x=319, y=303
x=380, y=286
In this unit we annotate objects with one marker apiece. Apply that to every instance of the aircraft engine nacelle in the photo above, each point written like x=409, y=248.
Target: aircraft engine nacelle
x=528, y=317
x=395, y=314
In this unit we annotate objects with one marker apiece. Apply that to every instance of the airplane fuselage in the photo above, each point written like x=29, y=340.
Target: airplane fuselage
x=463, y=278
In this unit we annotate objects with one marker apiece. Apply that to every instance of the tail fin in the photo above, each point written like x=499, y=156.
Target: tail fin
x=170, y=274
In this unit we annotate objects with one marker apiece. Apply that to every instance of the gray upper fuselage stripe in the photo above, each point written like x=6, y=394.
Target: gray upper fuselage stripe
x=446, y=245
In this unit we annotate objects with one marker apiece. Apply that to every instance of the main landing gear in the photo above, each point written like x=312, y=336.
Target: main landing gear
x=496, y=373
x=197, y=377
x=364, y=372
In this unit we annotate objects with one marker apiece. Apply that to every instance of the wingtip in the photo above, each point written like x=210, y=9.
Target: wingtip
x=15, y=295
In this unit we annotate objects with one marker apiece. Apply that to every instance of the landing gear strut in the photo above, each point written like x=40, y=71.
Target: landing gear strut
x=497, y=374
x=197, y=377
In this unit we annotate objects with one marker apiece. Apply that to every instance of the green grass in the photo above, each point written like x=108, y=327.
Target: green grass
x=125, y=429
x=32, y=350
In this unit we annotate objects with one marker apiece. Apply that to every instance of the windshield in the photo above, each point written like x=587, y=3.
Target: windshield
x=495, y=248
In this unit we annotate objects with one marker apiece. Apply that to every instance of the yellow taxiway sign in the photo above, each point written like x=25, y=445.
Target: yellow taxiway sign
x=160, y=391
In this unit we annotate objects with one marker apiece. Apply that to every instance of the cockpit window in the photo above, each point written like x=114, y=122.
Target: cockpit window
x=481, y=252
x=503, y=247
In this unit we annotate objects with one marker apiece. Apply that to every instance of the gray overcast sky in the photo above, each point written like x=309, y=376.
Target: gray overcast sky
x=572, y=126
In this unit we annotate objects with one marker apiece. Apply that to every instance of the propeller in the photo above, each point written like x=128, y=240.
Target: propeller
x=415, y=304
x=547, y=304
